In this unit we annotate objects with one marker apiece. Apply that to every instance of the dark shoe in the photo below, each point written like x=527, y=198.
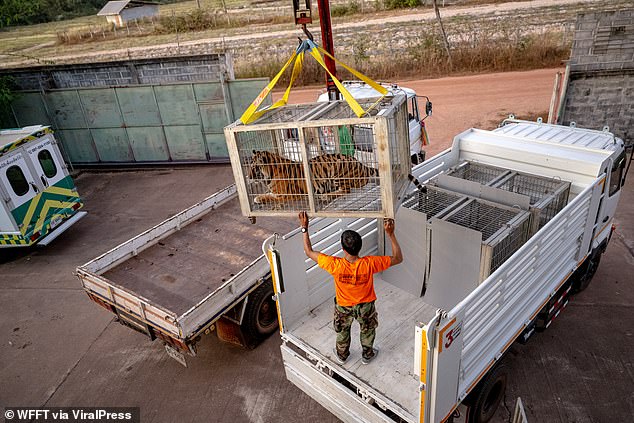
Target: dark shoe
x=375, y=352
x=338, y=358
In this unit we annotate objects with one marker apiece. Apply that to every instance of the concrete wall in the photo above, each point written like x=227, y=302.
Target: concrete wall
x=198, y=68
x=600, y=89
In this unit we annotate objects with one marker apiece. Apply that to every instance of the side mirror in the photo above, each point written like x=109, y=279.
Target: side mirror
x=428, y=109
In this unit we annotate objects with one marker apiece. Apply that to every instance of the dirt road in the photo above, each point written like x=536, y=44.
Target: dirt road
x=260, y=36
x=481, y=101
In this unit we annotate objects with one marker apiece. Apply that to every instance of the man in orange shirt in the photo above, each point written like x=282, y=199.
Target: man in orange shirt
x=354, y=286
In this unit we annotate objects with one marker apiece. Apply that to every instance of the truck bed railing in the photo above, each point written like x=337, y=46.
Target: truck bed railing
x=146, y=239
x=494, y=313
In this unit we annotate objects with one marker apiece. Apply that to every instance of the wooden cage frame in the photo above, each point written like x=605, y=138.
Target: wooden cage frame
x=391, y=150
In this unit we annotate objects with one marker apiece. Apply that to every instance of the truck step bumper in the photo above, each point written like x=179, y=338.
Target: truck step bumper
x=61, y=228
x=335, y=397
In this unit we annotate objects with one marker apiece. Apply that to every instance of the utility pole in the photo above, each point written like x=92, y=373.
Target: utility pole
x=444, y=34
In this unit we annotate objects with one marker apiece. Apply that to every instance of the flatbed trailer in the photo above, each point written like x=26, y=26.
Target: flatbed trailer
x=443, y=331
x=198, y=270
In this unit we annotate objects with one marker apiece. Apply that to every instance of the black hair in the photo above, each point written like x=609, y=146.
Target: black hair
x=351, y=242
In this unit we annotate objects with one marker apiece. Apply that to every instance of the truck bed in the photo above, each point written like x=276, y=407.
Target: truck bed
x=392, y=372
x=181, y=270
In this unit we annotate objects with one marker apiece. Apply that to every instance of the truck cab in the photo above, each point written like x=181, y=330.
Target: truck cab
x=360, y=90
x=39, y=198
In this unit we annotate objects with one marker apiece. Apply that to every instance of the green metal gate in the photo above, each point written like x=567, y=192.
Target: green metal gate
x=167, y=123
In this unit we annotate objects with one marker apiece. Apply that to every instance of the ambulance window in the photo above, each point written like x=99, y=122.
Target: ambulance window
x=617, y=174
x=17, y=180
x=47, y=163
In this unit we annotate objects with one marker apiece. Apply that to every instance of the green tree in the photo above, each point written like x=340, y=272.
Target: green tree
x=21, y=12
x=7, y=96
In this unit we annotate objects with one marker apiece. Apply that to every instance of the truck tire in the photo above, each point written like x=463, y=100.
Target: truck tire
x=586, y=273
x=260, y=316
x=486, y=398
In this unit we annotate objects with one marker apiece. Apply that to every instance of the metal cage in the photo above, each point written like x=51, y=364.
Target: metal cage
x=546, y=196
x=504, y=229
x=321, y=158
x=433, y=201
x=476, y=172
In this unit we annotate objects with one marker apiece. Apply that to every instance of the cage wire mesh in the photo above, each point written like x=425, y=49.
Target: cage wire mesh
x=433, y=201
x=517, y=235
x=547, y=195
x=476, y=172
x=332, y=167
x=504, y=229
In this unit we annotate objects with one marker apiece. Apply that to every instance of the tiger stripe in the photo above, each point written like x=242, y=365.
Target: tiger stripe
x=331, y=174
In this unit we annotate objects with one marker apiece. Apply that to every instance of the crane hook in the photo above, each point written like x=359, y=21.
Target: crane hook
x=307, y=32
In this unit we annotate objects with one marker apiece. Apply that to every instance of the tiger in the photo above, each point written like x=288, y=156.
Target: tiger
x=333, y=174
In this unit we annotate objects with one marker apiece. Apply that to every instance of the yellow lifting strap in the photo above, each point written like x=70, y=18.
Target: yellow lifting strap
x=252, y=113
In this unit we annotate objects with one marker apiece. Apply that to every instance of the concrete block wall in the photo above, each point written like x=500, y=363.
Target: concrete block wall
x=197, y=68
x=603, y=41
x=600, y=90
x=594, y=101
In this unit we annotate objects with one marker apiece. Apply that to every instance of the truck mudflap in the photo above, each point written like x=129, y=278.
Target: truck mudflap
x=349, y=401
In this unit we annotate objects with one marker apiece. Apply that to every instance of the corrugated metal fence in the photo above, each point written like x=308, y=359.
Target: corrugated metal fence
x=167, y=123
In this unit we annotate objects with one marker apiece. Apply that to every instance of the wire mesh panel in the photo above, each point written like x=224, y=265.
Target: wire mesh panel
x=321, y=158
x=476, y=172
x=433, y=201
x=547, y=195
x=504, y=230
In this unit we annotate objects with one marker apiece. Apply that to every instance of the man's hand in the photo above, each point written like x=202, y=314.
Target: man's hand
x=388, y=225
x=303, y=219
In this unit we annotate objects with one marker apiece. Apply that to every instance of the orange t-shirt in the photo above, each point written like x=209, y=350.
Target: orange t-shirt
x=354, y=282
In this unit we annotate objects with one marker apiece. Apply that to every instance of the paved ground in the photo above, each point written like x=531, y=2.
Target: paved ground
x=59, y=349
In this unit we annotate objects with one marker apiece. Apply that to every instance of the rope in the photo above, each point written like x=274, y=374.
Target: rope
x=252, y=113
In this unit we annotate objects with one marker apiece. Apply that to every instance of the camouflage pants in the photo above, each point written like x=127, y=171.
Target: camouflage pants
x=366, y=315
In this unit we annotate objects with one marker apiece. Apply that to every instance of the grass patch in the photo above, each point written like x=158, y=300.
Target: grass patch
x=427, y=57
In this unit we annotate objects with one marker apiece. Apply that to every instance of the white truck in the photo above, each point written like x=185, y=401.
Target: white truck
x=416, y=118
x=489, y=258
x=39, y=198
x=198, y=270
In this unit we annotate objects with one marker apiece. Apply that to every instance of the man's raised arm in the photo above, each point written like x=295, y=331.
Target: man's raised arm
x=308, y=246
x=397, y=255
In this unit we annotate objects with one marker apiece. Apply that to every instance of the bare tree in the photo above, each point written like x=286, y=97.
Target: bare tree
x=444, y=34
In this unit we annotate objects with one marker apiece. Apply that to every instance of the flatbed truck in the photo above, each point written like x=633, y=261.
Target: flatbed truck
x=444, y=324
x=199, y=270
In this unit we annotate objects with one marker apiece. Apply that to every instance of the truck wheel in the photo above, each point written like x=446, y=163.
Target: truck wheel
x=484, y=402
x=260, y=317
x=587, y=271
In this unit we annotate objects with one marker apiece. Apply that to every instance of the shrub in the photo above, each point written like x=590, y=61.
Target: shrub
x=7, y=96
x=350, y=8
x=399, y=4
